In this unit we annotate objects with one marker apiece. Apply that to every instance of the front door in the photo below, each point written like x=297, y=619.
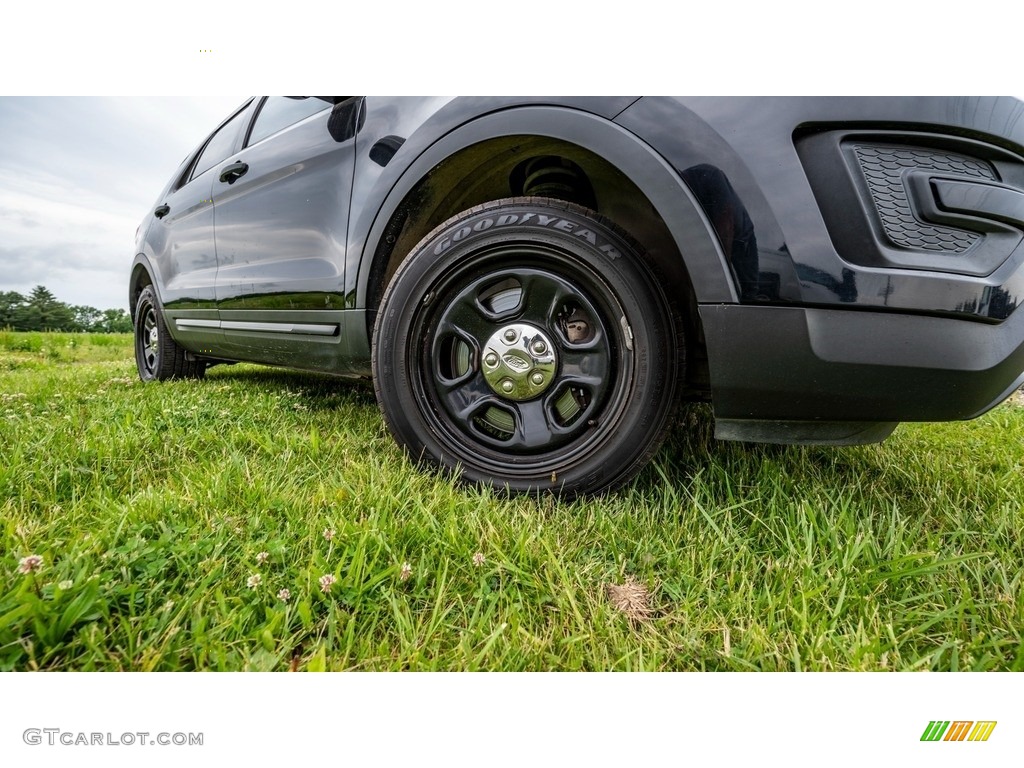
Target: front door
x=281, y=228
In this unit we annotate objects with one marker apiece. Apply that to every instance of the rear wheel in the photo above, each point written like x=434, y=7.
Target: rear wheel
x=157, y=356
x=524, y=344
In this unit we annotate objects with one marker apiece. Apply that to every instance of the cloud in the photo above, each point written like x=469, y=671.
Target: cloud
x=77, y=176
x=63, y=268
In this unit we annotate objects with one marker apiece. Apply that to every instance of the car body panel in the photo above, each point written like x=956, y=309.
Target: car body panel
x=281, y=245
x=281, y=228
x=752, y=142
x=182, y=242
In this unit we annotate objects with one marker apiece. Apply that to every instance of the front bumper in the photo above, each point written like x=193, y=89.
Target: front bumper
x=776, y=372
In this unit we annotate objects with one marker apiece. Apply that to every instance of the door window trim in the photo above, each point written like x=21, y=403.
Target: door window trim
x=256, y=116
x=186, y=175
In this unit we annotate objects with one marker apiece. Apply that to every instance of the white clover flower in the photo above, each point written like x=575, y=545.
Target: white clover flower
x=326, y=581
x=254, y=581
x=478, y=559
x=262, y=557
x=284, y=595
x=406, y=573
x=328, y=533
x=30, y=564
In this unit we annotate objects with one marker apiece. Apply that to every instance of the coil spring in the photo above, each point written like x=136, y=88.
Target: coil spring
x=556, y=177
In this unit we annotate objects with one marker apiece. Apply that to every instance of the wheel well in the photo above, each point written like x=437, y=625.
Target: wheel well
x=140, y=279
x=533, y=165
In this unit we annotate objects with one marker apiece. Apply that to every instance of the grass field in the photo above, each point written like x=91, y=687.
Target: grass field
x=169, y=518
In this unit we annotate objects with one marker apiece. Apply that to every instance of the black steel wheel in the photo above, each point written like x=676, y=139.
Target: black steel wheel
x=524, y=344
x=157, y=356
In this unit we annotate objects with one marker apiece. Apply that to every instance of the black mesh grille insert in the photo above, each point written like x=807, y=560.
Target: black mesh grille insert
x=884, y=168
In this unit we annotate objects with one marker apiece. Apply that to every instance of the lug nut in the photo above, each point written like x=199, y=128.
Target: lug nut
x=507, y=385
x=510, y=334
x=537, y=378
x=491, y=359
x=539, y=347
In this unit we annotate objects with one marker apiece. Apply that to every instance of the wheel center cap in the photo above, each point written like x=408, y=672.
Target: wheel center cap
x=519, y=361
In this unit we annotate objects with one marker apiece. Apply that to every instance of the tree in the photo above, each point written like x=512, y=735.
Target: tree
x=87, y=318
x=12, y=304
x=41, y=311
x=116, y=321
x=44, y=313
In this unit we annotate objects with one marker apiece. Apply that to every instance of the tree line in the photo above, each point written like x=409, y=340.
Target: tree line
x=41, y=311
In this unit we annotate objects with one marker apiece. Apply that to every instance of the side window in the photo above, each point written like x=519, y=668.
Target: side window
x=219, y=147
x=278, y=112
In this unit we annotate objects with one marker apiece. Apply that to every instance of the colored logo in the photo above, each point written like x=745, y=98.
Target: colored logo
x=958, y=730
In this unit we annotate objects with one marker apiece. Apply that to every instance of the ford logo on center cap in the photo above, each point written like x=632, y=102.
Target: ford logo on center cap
x=515, y=363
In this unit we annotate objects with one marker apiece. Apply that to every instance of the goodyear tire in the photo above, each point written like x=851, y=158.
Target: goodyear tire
x=524, y=344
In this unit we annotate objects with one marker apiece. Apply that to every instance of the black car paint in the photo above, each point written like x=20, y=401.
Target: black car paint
x=801, y=343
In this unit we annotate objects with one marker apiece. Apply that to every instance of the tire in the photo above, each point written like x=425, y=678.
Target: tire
x=157, y=356
x=524, y=344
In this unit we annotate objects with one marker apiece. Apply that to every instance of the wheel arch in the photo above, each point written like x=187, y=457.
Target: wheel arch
x=452, y=174
x=142, y=274
x=633, y=186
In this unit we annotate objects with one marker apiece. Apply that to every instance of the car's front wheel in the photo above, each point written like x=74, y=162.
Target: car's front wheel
x=157, y=355
x=524, y=344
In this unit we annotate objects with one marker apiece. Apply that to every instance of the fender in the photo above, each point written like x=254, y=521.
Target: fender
x=781, y=157
x=658, y=181
x=145, y=263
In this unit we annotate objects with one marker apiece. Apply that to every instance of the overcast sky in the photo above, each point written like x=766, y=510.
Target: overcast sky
x=77, y=176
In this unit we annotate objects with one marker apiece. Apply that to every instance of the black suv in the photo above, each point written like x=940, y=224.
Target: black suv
x=535, y=283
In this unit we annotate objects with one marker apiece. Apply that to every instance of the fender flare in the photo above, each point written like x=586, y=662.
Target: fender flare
x=657, y=180
x=143, y=261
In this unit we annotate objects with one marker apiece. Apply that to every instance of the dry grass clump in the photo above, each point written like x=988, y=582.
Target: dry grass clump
x=632, y=598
